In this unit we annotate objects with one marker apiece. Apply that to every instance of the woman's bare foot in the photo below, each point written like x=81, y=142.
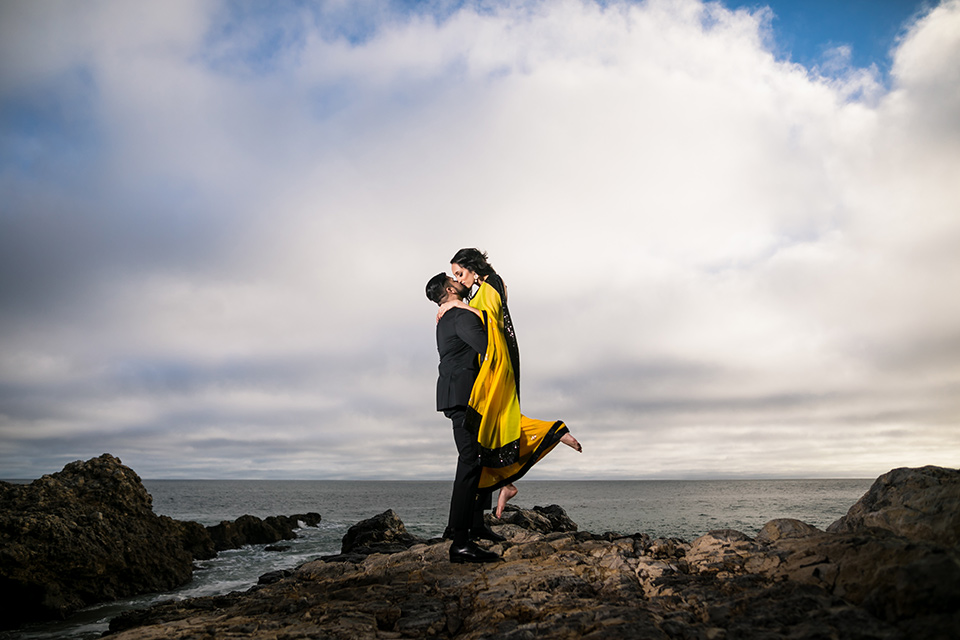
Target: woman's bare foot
x=571, y=442
x=506, y=493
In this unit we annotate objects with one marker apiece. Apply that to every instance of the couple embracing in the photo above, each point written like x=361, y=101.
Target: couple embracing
x=479, y=390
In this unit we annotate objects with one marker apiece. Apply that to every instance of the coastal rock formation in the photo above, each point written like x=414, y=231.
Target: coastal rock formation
x=920, y=504
x=384, y=533
x=252, y=530
x=203, y=543
x=88, y=534
x=81, y=536
x=541, y=519
x=792, y=580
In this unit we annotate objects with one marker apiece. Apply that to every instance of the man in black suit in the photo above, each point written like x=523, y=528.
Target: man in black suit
x=461, y=336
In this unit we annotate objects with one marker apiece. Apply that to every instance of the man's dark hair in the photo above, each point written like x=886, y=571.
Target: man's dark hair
x=437, y=288
x=475, y=260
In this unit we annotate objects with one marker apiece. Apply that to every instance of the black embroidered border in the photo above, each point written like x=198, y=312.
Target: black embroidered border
x=503, y=456
x=553, y=436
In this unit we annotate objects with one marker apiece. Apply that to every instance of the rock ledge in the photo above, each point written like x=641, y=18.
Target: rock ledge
x=792, y=580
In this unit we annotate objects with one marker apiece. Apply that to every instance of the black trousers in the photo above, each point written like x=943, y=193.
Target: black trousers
x=466, y=508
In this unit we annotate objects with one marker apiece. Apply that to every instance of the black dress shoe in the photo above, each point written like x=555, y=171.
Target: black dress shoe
x=486, y=533
x=470, y=552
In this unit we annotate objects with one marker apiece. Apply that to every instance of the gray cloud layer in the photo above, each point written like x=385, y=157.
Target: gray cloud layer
x=217, y=225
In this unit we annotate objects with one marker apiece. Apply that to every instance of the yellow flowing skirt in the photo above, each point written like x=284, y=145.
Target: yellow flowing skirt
x=537, y=439
x=510, y=443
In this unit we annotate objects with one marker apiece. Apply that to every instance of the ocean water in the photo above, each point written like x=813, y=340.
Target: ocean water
x=683, y=509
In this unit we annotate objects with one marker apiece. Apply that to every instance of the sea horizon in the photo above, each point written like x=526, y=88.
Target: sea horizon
x=440, y=479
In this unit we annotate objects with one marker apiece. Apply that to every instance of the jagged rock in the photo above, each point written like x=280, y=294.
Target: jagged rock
x=920, y=504
x=534, y=520
x=80, y=536
x=196, y=540
x=88, y=534
x=559, y=520
x=383, y=533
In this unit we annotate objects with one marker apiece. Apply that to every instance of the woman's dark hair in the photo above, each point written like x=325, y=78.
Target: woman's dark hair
x=437, y=288
x=475, y=260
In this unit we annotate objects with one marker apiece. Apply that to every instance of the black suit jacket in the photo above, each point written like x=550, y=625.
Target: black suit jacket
x=460, y=337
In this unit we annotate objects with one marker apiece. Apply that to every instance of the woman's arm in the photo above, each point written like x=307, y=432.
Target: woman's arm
x=446, y=306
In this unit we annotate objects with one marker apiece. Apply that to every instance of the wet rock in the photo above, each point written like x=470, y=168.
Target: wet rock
x=252, y=530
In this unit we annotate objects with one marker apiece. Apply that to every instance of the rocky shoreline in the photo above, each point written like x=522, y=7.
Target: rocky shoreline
x=890, y=569
x=88, y=534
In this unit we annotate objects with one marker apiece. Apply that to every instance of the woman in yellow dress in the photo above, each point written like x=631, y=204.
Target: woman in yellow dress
x=510, y=443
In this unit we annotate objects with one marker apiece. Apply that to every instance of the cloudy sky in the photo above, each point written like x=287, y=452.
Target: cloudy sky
x=730, y=232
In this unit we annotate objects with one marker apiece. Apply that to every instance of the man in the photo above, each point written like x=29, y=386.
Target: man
x=461, y=336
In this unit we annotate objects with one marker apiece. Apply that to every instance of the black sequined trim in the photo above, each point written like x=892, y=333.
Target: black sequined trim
x=553, y=436
x=511, y=337
x=501, y=457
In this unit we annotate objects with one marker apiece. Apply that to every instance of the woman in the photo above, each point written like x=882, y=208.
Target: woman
x=510, y=442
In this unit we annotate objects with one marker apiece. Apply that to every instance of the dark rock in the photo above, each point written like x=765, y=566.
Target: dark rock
x=80, y=536
x=88, y=534
x=559, y=520
x=274, y=576
x=196, y=540
x=527, y=519
x=384, y=533
x=549, y=519
x=247, y=530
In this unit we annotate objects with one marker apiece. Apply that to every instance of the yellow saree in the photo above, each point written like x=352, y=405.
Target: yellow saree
x=510, y=443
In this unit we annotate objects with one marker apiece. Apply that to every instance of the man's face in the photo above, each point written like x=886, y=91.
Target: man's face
x=461, y=290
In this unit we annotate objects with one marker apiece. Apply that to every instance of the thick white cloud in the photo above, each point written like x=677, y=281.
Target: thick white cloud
x=219, y=226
